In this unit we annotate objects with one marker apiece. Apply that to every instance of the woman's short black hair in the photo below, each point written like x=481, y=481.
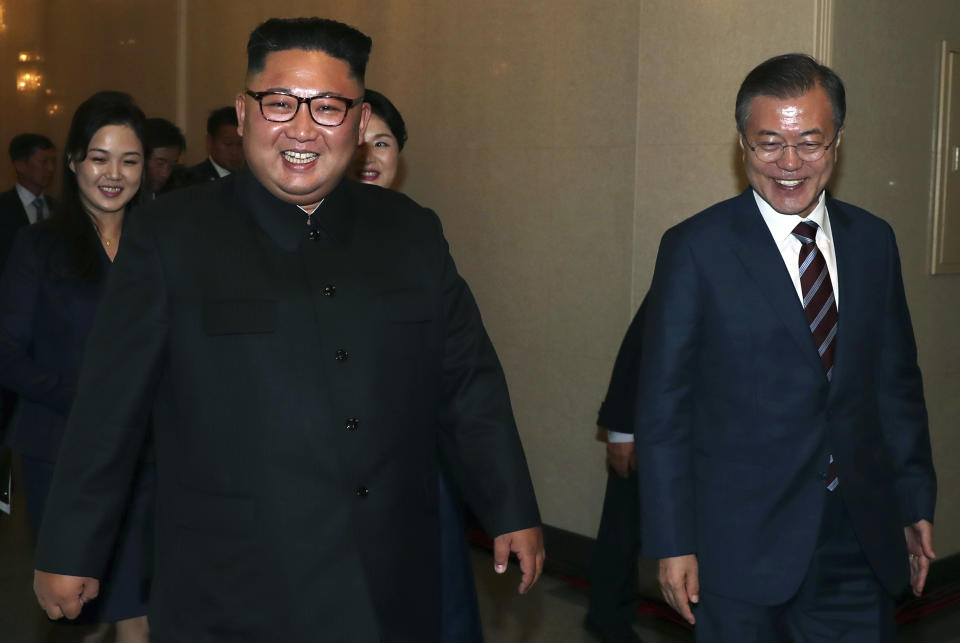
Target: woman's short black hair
x=381, y=106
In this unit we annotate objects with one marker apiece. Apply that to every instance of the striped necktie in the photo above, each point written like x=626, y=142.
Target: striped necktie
x=818, y=299
x=39, y=207
x=821, y=308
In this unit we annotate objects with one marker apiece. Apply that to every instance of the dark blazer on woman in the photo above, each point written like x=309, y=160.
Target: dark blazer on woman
x=44, y=321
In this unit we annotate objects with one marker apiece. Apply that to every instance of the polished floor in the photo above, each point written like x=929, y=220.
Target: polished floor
x=551, y=613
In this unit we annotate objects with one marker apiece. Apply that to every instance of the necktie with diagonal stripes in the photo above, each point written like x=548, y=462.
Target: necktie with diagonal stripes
x=820, y=305
x=39, y=207
x=818, y=299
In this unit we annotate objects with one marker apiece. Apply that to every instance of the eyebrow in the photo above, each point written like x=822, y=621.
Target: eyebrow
x=103, y=151
x=287, y=90
x=808, y=132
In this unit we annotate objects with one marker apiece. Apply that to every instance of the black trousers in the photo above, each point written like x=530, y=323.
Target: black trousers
x=613, y=580
x=840, y=599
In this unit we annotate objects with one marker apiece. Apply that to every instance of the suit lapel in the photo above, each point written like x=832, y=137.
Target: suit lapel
x=850, y=280
x=12, y=203
x=760, y=256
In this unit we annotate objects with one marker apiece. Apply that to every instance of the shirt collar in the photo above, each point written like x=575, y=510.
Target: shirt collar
x=781, y=225
x=221, y=171
x=28, y=197
x=286, y=223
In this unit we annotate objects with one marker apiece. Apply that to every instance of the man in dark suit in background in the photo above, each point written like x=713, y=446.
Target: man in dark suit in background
x=786, y=478
x=34, y=160
x=614, y=569
x=224, y=148
x=304, y=348
x=163, y=144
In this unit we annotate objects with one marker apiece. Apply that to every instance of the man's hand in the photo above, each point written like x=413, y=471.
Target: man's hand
x=680, y=584
x=622, y=458
x=919, y=537
x=61, y=595
x=527, y=544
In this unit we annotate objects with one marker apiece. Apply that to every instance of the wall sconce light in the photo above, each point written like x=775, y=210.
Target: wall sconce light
x=3, y=23
x=29, y=71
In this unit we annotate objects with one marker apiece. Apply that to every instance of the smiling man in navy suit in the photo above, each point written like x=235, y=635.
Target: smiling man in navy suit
x=786, y=478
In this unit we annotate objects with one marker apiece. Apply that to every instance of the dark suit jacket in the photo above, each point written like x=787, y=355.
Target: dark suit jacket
x=296, y=389
x=618, y=410
x=202, y=172
x=736, y=419
x=12, y=218
x=44, y=321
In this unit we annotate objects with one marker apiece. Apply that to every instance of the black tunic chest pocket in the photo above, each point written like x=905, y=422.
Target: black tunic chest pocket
x=405, y=306
x=239, y=316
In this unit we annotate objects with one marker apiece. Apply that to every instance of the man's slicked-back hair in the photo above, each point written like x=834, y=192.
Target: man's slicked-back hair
x=219, y=117
x=334, y=38
x=22, y=146
x=790, y=76
x=159, y=132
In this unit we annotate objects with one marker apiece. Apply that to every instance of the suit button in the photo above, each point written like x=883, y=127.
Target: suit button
x=341, y=355
x=329, y=290
x=313, y=235
x=362, y=492
x=352, y=424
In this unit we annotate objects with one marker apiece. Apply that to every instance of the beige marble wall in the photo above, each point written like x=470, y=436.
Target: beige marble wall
x=20, y=31
x=88, y=45
x=557, y=140
x=693, y=58
x=888, y=55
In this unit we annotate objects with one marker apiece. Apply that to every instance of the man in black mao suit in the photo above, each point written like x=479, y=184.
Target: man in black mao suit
x=786, y=478
x=303, y=348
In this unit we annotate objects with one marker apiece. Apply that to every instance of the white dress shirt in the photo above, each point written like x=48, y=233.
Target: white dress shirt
x=221, y=171
x=27, y=198
x=781, y=228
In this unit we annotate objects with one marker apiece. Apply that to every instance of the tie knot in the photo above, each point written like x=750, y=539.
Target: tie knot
x=806, y=232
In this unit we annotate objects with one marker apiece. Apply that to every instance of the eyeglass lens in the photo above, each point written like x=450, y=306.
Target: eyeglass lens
x=771, y=151
x=325, y=110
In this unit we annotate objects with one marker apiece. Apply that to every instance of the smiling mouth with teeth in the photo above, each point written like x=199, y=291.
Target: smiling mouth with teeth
x=299, y=157
x=111, y=189
x=789, y=184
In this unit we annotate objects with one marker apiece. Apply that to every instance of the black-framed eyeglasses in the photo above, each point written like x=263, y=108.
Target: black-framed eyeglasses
x=771, y=151
x=326, y=110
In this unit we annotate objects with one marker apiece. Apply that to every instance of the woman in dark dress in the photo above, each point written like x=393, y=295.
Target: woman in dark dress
x=48, y=297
